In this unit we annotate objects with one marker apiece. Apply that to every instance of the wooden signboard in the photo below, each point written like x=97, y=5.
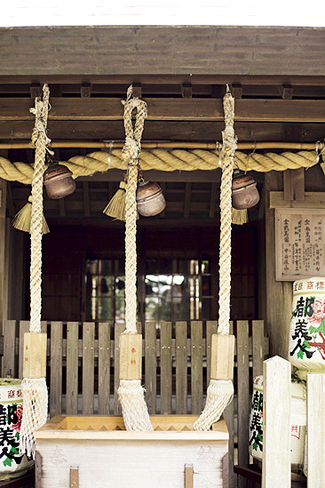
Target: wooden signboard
x=299, y=243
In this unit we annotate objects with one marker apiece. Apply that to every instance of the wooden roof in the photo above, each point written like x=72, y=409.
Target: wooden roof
x=275, y=74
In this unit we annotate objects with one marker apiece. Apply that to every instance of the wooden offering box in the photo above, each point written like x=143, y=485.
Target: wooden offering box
x=96, y=451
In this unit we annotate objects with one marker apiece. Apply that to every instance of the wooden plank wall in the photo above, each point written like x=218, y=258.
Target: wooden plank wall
x=83, y=369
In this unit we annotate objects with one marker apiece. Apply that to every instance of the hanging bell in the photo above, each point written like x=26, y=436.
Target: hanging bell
x=150, y=199
x=58, y=181
x=244, y=191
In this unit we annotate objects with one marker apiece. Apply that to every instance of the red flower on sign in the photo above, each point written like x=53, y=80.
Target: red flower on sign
x=19, y=413
x=319, y=313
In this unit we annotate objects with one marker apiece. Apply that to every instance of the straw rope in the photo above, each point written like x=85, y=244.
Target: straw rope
x=220, y=392
x=40, y=139
x=130, y=392
x=229, y=148
x=167, y=160
x=35, y=398
x=130, y=154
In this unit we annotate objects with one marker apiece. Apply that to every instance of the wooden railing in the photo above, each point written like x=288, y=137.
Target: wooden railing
x=82, y=369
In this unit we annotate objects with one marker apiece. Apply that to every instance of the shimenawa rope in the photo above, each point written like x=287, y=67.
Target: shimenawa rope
x=220, y=392
x=168, y=160
x=34, y=388
x=130, y=392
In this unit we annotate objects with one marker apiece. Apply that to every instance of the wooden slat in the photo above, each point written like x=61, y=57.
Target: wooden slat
x=104, y=357
x=74, y=477
x=9, y=349
x=243, y=392
x=72, y=368
x=276, y=470
x=166, y=368
x=181, y=367
x=150, y=354
x=258, y=346
x=229, y=415
x=56, y=369
x=23, y=327
x=88, y=336
x=316, y=430
x=189, y=476
x=196, y=367
x=119, y=328
x=211, y=328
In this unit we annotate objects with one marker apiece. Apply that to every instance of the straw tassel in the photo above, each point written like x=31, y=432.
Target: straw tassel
x=23, y=219
x=116, y=206
x=239, y=217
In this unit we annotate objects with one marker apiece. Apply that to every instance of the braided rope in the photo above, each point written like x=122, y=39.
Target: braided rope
x=131, y=250
x=229, y=148
x=40, y=140
x=130, y=154
x=167, y=160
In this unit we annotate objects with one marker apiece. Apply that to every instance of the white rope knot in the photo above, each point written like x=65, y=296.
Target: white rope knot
x=130, y=151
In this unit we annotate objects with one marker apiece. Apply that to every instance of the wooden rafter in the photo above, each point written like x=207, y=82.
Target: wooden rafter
x=169, y=109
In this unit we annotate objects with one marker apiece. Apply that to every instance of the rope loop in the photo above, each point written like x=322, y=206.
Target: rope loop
x=132, y=146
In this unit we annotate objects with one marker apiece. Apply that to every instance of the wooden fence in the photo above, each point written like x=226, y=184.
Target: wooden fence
x=82, y=369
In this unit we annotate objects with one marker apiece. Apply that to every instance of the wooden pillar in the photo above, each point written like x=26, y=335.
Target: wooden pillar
x=315, y=430
x=3, y=196
x=278, y=293
x=276, y=468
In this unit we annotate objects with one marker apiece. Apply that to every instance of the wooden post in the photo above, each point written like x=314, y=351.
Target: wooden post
x=74, y=477
x=3, y=188
x=189, y=472
x=278, y=293
x=276, y=470
x=316, y=430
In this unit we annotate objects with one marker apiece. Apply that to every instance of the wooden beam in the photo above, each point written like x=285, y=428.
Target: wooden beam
x=311, y=200
x=181, y=130
x=35, y=90
x=168, y=109
x=130, y=50
x=237, y=90
x=85, y=90
x=287, y=92
x=187, y=90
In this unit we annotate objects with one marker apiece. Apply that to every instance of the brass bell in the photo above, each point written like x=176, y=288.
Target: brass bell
x=150, y=199
x=58, y=181
x=244, y=191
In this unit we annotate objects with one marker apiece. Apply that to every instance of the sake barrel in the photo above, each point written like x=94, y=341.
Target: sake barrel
x=12, y=462
x=307, y=326
x=298, y=423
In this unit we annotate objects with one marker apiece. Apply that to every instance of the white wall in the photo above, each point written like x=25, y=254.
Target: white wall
x=16, y=13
